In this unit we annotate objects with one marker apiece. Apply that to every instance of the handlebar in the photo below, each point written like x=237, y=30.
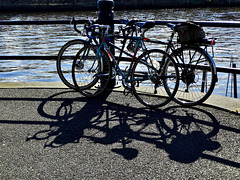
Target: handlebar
x=101, y=27
x=75, y=22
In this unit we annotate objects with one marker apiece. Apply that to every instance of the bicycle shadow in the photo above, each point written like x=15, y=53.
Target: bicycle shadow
x=184, y=133
x=192, y=134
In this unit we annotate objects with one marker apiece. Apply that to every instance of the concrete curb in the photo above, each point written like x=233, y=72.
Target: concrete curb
x=32, y=85
x=226, y=103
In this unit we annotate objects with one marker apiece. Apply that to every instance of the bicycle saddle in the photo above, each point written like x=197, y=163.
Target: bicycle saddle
x=129, y=22
x=132, y=22
x=172, y=26
x=147, y=24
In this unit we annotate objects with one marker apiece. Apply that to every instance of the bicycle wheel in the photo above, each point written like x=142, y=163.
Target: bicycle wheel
x=91, y=71
x=153, y=74
x=197, y=75
x=65, y=59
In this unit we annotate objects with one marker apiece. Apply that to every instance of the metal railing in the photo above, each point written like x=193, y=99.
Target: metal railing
x=232, y=24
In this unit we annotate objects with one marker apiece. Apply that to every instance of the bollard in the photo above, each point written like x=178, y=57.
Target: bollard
x=105, y=16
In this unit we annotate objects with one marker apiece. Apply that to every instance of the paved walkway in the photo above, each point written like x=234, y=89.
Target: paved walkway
x=55, y=133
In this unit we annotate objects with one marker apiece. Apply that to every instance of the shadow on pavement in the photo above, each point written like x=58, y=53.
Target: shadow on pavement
x=186, y=134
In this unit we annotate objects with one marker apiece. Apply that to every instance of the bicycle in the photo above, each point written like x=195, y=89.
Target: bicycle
x=149, y=76
x=197, y=68
x=69, y=50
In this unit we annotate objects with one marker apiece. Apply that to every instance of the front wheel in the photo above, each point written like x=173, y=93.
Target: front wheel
x=155, y=78
x=65, y=59
x=91, y=71
x=197, y=75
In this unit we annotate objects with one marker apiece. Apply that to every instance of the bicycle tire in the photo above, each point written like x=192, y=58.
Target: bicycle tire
x=91, y=71
x=65, y=59
x=149, y=85
x=198, y=76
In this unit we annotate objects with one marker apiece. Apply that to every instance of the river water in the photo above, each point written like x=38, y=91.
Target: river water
x=48, y=39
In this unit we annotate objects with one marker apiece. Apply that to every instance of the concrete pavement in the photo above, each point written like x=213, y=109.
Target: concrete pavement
x=50, y=132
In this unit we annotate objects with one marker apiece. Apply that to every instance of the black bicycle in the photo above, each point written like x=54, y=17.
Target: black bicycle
x=197, y=69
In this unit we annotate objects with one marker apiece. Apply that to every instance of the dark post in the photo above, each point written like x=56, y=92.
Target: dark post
x=235, y=82
x=106, y=16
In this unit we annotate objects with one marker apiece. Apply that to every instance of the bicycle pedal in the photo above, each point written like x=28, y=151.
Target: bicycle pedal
x=129, y=88
x=126, y=92
x=126, y=85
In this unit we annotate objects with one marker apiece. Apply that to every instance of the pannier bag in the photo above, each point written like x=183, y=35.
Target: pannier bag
x=189, y=32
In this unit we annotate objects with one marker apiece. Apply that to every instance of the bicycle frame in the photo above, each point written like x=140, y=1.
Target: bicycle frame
x=106, y=44
x=151, y=80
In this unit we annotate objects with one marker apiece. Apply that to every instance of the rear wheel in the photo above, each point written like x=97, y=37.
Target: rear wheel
x=197, y=75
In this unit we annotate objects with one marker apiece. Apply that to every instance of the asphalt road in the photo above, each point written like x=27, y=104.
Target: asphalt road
x=59, y=134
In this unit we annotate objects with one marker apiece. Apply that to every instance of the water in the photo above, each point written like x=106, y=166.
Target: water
x=48, y=39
